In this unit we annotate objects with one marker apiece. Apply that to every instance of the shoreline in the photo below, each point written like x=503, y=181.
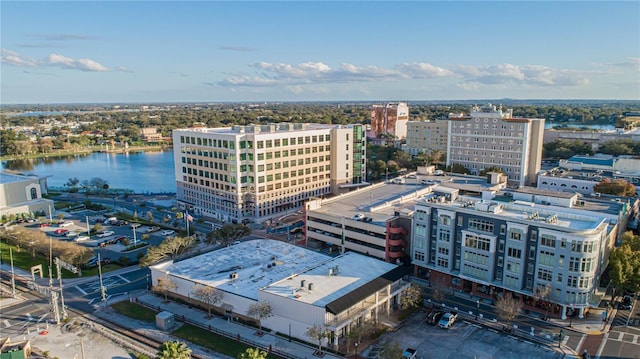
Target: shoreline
x=84, y=152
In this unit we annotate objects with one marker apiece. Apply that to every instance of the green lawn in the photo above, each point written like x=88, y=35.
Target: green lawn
x=212, y=341
x=135, y=311
x=24, y=260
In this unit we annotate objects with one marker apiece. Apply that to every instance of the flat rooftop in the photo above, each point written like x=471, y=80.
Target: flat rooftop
x=544, y=192
x=252, y=261
x=332, y=279
x=6, y=177
x=282, y=127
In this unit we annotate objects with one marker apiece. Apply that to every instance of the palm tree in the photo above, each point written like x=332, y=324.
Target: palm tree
x=173, y=350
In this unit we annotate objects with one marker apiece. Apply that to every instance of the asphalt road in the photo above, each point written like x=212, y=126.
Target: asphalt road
x=25, y=317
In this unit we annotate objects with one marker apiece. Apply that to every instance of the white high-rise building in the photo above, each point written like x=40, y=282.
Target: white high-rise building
x=492, y=137
x=258, y=172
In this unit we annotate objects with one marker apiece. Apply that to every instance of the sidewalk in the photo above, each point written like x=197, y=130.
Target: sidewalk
x=282, y=346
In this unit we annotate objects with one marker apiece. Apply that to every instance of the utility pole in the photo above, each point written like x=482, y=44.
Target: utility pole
x=13, y=275
x=103, y=290
x=88, y=228
x=53, y=293
x=64, y=309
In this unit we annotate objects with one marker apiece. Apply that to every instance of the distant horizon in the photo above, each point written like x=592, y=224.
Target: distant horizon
x=458, y=101
x=60, y=52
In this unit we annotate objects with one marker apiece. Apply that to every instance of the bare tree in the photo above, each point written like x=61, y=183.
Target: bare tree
x=208, y=295
x=542, y=293
x=164, y=286
x=259, y=311
x=508, y=307
x=392, y=350
x=170, y=248
x=318, y=333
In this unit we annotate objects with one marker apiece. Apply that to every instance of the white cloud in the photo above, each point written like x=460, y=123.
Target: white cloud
x=532, y=75
x=422, y=70
x=15, y=59
x=632, y=64
x=80, y=64
x=123, y=69
x=57, y=60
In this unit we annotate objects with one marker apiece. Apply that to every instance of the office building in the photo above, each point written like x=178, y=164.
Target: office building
x=302, y=287
x=426, y=136
x=259, y=172
x=491, y=137
x=390, y=119
x=488, y=245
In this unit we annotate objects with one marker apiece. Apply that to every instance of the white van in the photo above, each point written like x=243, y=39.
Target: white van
x=398, y=180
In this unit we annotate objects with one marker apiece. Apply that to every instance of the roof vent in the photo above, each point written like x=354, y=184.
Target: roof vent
x=310, y=286
x=302, y=283
x=233, y=275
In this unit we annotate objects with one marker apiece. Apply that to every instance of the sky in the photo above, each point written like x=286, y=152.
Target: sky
x=242, y=51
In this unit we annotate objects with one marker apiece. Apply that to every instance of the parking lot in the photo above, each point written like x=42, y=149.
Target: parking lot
x=463, y=340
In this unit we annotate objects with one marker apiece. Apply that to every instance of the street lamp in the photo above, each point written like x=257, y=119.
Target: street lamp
x=477, y=308
x=356, y=350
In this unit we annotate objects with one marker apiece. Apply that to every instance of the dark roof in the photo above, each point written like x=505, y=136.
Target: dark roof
x=350, y=299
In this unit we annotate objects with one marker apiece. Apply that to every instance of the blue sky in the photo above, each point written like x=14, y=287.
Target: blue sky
x=156, y=51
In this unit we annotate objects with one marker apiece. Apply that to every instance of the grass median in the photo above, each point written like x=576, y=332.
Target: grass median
x=191, y=333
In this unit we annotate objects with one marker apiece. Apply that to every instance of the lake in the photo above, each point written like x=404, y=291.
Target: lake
x=605, y=127
x=142, y=172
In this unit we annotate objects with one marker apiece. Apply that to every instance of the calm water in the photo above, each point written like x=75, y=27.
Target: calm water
x=141, y=172
x=578, y=125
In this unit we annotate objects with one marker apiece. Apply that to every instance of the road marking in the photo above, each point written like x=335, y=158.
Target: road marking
x=81, y=291
x=602, y=344
x=582, y=339
x=620, y=336
x=6, y=323
x=635, y=339
x=123, y=278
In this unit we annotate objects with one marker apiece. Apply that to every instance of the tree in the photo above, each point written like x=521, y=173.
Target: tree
x=165, y=285
x=170, y=248
x=624, y=263
x=458, y=168
x=318, y=333
x=173, y=350
x=491, y=169
x=542, y=293
x=391, y=350
x=508, y=307
x=616, y=187
x=251, y=353
x=228, y=233
x=259, y=311
x=411, y=298
x=208, y=295
x=150, y=216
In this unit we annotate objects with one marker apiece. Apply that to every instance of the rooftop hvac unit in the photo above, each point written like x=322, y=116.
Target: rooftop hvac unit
x=233, y=275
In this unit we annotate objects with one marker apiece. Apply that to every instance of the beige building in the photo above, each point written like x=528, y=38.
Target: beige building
x=492, y=137
x=259, y=172
x=20, y=194
x=426, y=136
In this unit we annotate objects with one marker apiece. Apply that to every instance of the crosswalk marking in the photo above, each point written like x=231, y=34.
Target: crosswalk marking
x=81, y=291
x=6, y=323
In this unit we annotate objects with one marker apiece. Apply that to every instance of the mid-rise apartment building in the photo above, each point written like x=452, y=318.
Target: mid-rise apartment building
x=491, y=137
x=257, y=172
x=426, y=136
x=517, y=244
x=390, y=119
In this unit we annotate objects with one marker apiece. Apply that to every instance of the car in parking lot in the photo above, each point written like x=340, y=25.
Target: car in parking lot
x=93, y=262
x=81, y=238
x=65, y=224
x=71, y=234
x=153, y=229
x=410, y=353
x=626, y=302
x=434, y=317
x=447, y=320
x=60, y=231
x=168, y=232
x=105, y=234
x=42, y=225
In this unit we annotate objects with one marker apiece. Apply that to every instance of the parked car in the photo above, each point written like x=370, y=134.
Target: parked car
x=168, y=232
x=81, y=238
x=438, y=172
x=60, y=231
x=65, y=224
x=626, y=302
x=71, y=234
x=358, y=216
x=447, y=320
x=93, y=262
x=42, y=225
x=153, y=229
x=410, y=353
x=434, y=317
x=398, y=180
x=105, y=234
